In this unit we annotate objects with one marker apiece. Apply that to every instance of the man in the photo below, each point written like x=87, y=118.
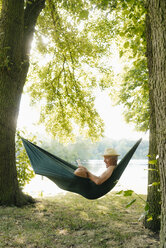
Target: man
x=110, y=159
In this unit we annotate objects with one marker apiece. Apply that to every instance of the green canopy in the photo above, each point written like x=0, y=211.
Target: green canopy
x=62, y=172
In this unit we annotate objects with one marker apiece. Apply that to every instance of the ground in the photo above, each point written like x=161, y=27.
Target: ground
x=71, y=221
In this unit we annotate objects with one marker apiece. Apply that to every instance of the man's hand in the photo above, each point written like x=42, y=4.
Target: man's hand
x=81, y=171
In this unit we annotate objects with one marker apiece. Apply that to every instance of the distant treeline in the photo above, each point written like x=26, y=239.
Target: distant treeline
x=86, y=150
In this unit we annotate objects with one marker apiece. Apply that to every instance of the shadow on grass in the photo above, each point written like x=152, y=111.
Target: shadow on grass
x=72, y=221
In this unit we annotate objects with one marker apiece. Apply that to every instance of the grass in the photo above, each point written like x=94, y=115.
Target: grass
x=71, y=221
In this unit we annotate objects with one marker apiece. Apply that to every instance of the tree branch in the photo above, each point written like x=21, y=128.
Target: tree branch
x=31, y=13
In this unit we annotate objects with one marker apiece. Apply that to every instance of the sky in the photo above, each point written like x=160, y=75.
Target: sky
x=115, y=125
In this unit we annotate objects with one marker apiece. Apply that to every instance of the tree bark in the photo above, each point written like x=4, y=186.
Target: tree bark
x=156, y=11
x=154, y=195
x=16, y=29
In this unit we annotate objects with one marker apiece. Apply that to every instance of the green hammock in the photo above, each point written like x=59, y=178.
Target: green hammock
x=62, y=172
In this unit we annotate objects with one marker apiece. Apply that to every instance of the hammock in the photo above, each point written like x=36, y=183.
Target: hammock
x=62, y=172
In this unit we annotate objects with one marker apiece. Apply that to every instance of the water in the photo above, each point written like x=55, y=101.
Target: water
x=135, y=177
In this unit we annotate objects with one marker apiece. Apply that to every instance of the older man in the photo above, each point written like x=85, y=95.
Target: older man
x=110, y=159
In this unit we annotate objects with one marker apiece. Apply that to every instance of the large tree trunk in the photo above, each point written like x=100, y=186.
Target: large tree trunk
x=152, y=220
x=154, y=195
x=157, y=82
x=16, y=28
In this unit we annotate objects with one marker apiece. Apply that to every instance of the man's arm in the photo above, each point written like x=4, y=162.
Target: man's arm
x=101, y=179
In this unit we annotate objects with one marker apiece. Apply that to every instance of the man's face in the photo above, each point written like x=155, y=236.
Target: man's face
x=110, y=160
x=107, y=160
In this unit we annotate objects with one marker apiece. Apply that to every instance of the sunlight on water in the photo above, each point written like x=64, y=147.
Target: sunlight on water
x=135, y=177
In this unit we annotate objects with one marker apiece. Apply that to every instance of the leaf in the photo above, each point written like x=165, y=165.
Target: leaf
x=84, y=14
x=120, y=192
x=150, y=218
x=152, y=169
x=130, y=203
x=154, y=184
x=153, y=161
x=121, y=53
x=126, y=44
x=128, y=192
x=146, y=207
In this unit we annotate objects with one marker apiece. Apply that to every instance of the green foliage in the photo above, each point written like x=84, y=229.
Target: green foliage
x=133, y=93
x=129, y=193
x=153, y=161
x=130, y=203
x=146, y=213
x=130, y=87
x=70, y=49
x=153, y=168
x=72, y=52
x=24, y=170
x=154, y=184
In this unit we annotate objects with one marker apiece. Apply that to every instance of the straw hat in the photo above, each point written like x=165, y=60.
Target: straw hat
x=110, y=152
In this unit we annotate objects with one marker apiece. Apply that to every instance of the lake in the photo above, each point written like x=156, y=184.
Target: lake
x=135, y=177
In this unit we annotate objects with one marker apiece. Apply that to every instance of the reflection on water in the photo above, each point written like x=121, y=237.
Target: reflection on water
x=134, y=177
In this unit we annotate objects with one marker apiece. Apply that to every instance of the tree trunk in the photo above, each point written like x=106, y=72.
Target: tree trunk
x=157, y=82
x=16, y=28
x=154, y=195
